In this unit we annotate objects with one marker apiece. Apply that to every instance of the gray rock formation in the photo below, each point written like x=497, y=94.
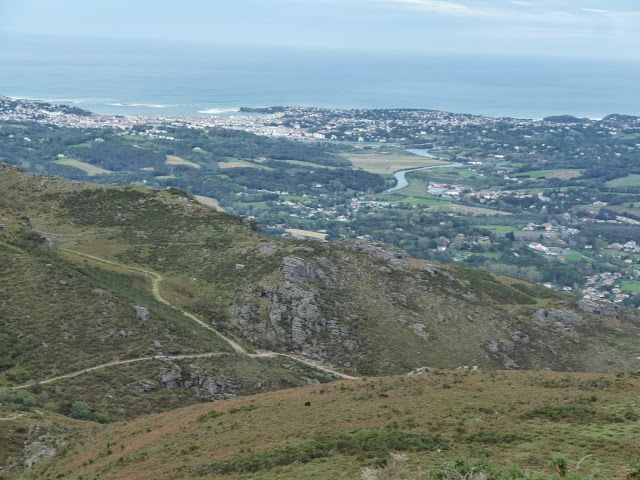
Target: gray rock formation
x=380, y=250
x=39, y=450
x=299, y=271
x=142, y=313
x=590, y=306
x=172, y=379
x=555, y=316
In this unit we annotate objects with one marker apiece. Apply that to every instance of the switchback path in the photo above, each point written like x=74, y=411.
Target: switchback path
x=156, y=278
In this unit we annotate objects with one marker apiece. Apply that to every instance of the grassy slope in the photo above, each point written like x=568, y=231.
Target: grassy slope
x=367, y=318
x=60, y=313
x=521, y=418
x=59, y=317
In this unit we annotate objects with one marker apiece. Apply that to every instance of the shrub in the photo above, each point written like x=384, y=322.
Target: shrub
x=556, y=413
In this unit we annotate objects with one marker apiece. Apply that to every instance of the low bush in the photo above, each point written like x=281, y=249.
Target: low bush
x=372, y=445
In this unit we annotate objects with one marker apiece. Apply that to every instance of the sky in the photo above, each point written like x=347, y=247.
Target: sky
x=572, y=28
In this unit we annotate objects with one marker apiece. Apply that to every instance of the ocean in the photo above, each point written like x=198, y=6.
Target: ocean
x=194, y=81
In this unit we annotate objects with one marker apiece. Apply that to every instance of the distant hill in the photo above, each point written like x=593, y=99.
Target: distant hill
x=565, y=119
x=617, y=118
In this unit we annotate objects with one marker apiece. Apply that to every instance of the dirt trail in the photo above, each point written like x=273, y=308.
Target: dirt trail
x=156, y=278
x=124, y=362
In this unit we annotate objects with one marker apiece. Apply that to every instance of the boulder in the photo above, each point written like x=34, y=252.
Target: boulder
x=142, y=313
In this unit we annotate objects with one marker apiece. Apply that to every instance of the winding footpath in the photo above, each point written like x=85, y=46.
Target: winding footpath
x=156, y=278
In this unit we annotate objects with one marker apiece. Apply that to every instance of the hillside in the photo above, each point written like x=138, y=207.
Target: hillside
x=358, y=307
x=581, y=425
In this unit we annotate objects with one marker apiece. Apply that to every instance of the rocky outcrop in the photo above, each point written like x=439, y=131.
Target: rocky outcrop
x=557, y=316
x=174, y=378
x=590, y=306
x=297, y=270
x=379, y=250
x=40, y=450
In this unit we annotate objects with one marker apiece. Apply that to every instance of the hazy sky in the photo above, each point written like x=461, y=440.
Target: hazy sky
x=597, y=28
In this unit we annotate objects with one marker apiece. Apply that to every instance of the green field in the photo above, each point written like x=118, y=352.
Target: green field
x=429, y=202
x=499, y=228
x=294, y=198
x=624, y=210
x=628, y=181
x=462, y=172
x=630, y=286
x=576, y=257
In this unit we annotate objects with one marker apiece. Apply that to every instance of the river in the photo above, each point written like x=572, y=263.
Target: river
x=400, y=175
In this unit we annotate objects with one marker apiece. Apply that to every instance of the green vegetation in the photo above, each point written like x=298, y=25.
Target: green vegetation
x=373, y=444
x=405, y=427
x=628, y=181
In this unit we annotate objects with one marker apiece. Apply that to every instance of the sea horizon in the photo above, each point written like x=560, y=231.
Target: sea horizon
x=219, y=81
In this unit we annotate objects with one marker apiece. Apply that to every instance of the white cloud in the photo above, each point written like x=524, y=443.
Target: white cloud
x=448, y=8
x=596, y=10
x=522, y=4
x=610, y=13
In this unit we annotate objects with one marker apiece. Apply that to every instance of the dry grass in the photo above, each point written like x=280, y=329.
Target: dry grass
x=241, y=164
x=86, y=167
x=566, y=175
x=306, y=233
x=209, y=202
x=173, y=160
x=385, y=163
